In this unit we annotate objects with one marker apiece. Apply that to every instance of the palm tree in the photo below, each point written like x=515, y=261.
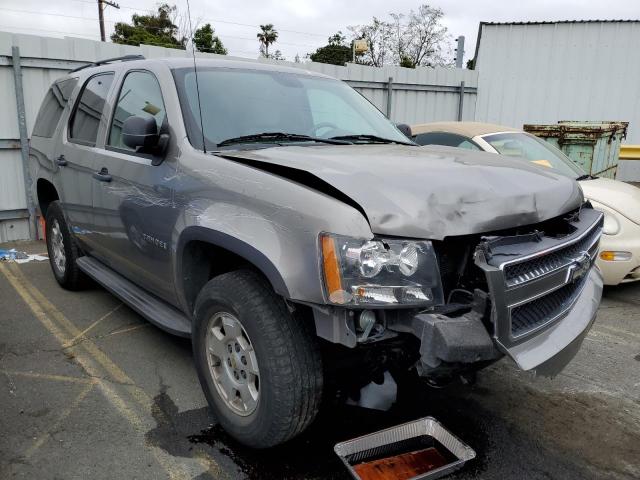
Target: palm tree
x=267, y=37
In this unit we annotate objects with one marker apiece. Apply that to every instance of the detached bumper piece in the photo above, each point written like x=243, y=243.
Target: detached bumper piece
x=462, y=340
x=422, y=449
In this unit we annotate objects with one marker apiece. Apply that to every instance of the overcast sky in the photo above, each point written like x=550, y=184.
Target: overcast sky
x=303, y=25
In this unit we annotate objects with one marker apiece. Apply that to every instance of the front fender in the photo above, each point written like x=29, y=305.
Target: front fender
x=271, y=221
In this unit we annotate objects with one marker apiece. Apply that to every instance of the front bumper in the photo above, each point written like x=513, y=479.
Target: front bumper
x=552, y=349
x=456, y=342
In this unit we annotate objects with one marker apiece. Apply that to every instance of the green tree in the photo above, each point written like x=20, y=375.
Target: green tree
x=157, y=28
x=206, y=40
x=267, y=36
x=336, y=52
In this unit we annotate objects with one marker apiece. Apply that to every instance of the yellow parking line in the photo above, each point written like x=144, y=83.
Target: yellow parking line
x=45, y=376
x=54, y=426
x=95, y=362
x=90, y=327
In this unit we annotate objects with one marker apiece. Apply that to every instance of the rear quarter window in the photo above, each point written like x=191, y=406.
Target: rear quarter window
x=85, y=120
x=52, y=107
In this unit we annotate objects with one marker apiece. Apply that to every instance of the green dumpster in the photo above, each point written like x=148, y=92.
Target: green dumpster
x=594, y=146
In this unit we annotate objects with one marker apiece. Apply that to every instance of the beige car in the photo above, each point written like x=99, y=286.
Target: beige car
x=619, y=255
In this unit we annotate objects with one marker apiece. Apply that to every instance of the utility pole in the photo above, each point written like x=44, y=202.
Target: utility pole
x=101, y=4
x=460, y=51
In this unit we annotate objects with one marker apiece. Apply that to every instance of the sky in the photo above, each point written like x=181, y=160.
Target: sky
x=303, y=25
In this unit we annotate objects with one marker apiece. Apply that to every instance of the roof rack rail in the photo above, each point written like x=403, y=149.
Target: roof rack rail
x=124, y=58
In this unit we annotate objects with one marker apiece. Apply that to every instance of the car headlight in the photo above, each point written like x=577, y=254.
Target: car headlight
x=611, y=225
x=380, y=271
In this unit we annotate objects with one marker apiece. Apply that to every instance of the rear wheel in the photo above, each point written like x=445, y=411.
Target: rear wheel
x=259, y=367
x=62, y=249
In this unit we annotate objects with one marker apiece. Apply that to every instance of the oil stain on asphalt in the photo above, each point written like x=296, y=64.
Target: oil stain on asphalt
x=504, y=449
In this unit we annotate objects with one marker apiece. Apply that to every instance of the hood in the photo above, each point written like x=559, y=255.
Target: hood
x=618, y=196
x=423, y=192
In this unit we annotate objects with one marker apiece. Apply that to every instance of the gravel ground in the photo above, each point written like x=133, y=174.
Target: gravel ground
x=88, y=389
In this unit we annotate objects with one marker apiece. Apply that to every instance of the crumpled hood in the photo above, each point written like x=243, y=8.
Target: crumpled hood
x=618, y=196
x=429, y=192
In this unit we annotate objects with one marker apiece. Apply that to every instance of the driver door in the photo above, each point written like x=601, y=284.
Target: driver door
x=132, y=198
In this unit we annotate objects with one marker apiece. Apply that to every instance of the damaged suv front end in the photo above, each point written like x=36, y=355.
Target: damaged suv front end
x=530, y=293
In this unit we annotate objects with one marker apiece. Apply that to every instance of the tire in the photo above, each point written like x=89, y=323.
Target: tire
x=60, y=241
x=286, y=354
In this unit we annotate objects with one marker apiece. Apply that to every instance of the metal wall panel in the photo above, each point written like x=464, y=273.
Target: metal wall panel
x=543, y=73
x=45, y=59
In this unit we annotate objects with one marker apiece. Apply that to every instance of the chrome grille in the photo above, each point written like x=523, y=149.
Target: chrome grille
x=536, y=279
x=518, y=273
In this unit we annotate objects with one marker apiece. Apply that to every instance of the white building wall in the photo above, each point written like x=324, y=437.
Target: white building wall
x=546, y=72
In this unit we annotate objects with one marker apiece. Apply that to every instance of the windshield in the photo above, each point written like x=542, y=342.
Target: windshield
x=520, y=144
x=241, y=102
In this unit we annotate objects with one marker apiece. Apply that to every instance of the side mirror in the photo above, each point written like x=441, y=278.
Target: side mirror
x=140, y=133
x=405, y=129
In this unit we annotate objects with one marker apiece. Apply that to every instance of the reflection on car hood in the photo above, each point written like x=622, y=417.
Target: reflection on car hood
x=618, y=196
x=426, y=192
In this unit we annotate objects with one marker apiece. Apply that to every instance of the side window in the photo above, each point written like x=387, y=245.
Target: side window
x=84, y=124
x=140, y=95
x=446, y=139
x=52, y=107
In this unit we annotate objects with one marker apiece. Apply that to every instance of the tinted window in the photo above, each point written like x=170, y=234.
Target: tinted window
x=446, y=139
x=86, y=118
x=140, y=95
x=52, y=107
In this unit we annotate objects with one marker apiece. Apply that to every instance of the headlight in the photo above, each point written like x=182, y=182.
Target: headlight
x=380, y=271
x=611, y=224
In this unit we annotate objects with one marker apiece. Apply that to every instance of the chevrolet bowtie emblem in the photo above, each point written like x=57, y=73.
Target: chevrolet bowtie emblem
x=579, y=268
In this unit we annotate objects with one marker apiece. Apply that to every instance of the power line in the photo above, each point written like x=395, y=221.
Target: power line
x=148, y=28
x=138, y=9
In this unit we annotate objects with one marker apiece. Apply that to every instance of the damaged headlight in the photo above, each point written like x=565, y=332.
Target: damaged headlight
x=380, y=271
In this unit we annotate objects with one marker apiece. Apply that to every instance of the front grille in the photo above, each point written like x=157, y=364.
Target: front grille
x=536, y=286
x=518, y=273
x=536, y=313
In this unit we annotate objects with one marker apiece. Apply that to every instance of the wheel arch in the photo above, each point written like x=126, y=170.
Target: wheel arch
x=196, y=262
x=46, y=193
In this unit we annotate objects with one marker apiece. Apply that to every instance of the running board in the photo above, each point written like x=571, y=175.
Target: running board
x=153, y=309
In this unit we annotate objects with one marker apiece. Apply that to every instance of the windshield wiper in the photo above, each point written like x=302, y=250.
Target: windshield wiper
x=279, y=137
x=586, y=177
x=367, y=138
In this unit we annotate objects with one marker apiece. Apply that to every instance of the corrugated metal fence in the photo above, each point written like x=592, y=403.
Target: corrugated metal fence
x=405, y=95
x=545, y=72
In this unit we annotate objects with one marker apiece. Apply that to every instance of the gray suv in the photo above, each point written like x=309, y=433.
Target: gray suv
x=304, y=244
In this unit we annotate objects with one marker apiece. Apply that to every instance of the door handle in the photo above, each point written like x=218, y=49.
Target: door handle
x=61, y=161
x=102, y=175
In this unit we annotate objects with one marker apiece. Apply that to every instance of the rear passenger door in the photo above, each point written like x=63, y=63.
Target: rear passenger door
x=134, y=209
x=75, y=156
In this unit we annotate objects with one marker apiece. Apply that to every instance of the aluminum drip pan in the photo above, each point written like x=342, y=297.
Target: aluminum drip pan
x=416, y=450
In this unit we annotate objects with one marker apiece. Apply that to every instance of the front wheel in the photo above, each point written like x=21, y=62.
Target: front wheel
x=259, y=367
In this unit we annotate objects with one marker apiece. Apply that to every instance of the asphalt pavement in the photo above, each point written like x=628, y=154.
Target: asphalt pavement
x=88, y=389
